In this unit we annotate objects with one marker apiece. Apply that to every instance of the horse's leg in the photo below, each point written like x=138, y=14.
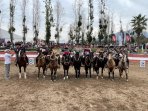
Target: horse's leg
x=86, y=71
x=102, y=72
x=109, y=74
x=113, y=74
x=126, y=74
x=20, y=76
x=120, y=73
x=52, y=74
x=44, y=69
x=64, y=74
x=25, y=76
x=67, y=74
x=90, y=72
x=97, y=72
x=38, y=72
x=55, y=72
x=78, y=73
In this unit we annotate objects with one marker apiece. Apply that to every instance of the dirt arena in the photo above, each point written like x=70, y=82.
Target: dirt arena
x=74, y=95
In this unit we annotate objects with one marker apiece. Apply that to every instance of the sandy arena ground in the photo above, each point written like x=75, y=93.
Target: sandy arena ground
x=74, y=95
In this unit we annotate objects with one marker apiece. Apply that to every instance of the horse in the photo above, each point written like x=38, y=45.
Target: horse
x=41, y=63
x=66, y=62
x=123, y=66
x=87, y=65
x=99, y=62
x=22, y=61
x=116, y=59
x=111, y=65
x=53, y=65
x=76, y=61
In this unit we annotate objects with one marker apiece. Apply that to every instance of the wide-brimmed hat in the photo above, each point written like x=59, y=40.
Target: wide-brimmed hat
x=7, y=50
x=97, y=53
x=18, y=43
x=77, y=53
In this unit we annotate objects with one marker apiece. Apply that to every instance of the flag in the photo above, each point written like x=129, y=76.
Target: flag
x=128, y=38
x=114, y=38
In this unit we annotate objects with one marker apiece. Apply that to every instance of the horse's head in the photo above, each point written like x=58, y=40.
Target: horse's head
x=21, y=54
x=110, y=56
x=41, y=59
x=87, y=59
x=124, y=58
x=67, y=59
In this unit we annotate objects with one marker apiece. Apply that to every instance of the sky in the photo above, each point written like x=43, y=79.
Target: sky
x=124, y=9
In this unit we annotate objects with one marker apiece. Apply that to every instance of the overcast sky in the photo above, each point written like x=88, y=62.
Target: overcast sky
x=124, y=9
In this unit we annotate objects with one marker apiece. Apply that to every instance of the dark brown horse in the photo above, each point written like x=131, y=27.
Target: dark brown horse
x=66, y=62
x=99, y=62
x=41, y=64
x=53, y=65
x=22, y=62
x=87, y=65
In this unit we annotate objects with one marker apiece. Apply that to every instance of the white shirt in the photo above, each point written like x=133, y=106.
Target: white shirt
x=7, y=58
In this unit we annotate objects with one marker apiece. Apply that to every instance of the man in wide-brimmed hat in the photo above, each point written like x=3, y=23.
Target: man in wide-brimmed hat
x=18, y=50
x=7, y=62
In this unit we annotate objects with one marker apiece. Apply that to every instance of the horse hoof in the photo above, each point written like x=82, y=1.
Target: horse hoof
x=67, y=77
x=102, y=77
x=20, y=76
x=25, y=77
x=127, y=80
x=43, y=77
x=97, y=78
x=64, y=78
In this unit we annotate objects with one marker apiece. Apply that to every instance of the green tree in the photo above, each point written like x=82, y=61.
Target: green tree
x=11, y=27
x=71, y=34
x=59, y=13
x=25, y=29
x=49, y=20
x=90, y=21
x=139, y=24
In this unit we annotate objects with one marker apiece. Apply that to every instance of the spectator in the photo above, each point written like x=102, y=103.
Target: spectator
x=7, y=62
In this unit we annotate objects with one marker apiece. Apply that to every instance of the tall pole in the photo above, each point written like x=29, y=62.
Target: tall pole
x=121, y=32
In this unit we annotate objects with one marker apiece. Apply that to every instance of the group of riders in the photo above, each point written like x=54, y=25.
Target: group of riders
x=87, y=59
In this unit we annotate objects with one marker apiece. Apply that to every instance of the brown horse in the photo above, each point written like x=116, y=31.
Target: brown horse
x=41, y=64
x=53, y=65
x=123, y=66
x=22, y=61
x=111, y=65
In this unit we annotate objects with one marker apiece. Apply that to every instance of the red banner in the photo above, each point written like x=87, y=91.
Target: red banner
x=114, y=38
x=128, y=38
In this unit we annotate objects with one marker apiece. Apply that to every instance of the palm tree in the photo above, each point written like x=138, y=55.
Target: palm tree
x=139, y=24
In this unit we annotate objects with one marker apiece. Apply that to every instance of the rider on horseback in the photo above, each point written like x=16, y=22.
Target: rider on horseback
x=18, y=51
x=41, y=51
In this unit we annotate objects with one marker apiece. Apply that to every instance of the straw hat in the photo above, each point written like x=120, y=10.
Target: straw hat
x=7, y=50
